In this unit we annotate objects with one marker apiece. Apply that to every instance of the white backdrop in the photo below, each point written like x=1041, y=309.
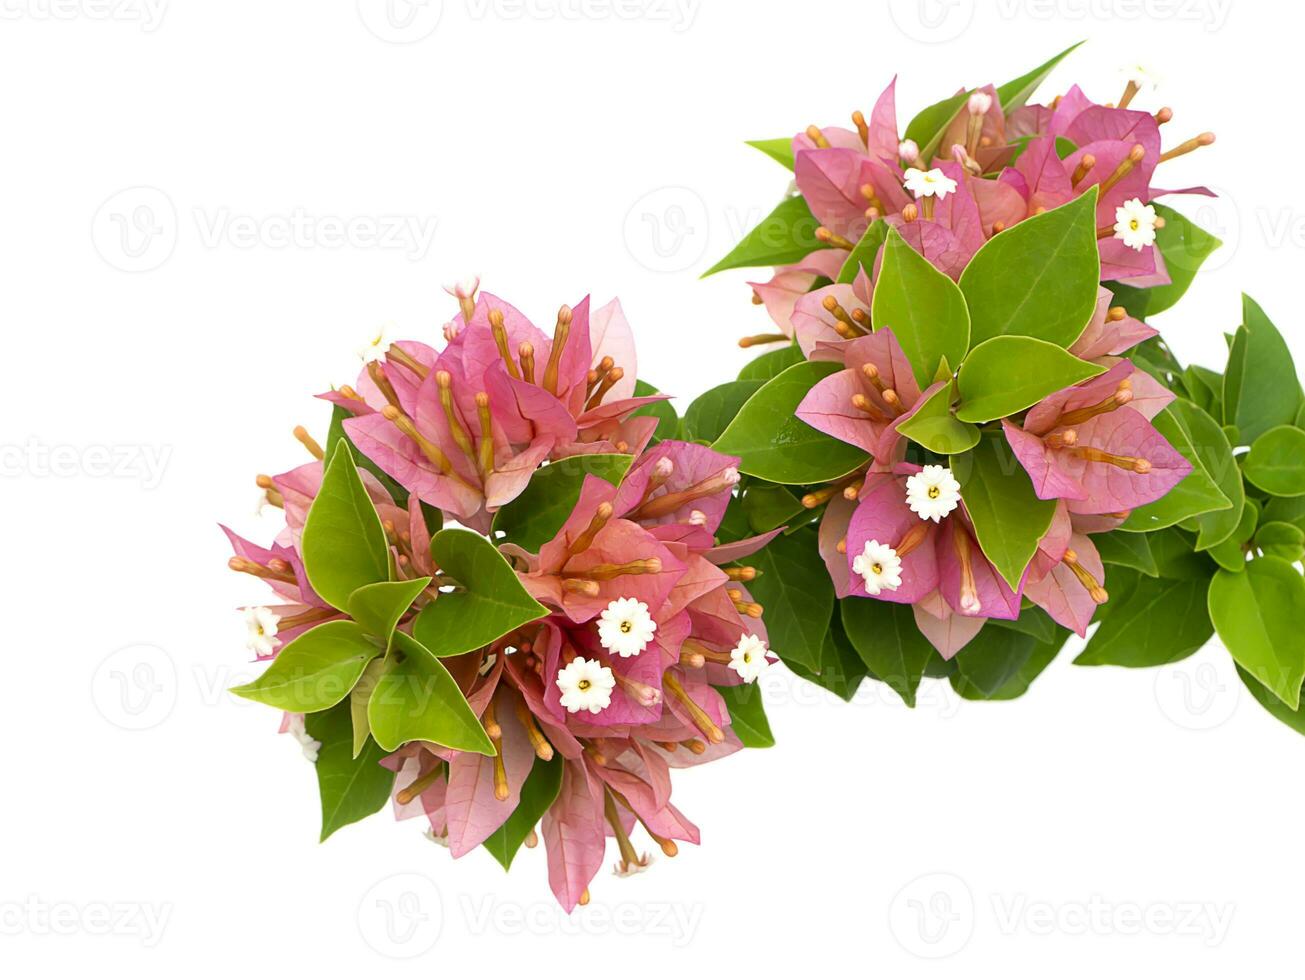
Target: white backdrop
x=206, y=206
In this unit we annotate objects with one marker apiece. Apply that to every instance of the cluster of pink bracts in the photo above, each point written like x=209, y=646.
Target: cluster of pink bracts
x=849, y=178
x=645, y=548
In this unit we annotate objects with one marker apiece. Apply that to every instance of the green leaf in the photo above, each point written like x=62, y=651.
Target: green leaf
x=775, y=445
x=335, y=434
x=378, y=607
x=1276, y=462
x=1157, y=622
x=1184, y=246
x=886, y=637
x=1005, y=375
x=417, y=699
x=1211, y=446
x=785, y=235
x=708, y=414
x=1018, y=684
x=1016, y=92
x=1008, y=517
x=1127, y=549
x=1195, y=494
x=344, y=545
x=1260, y=388
x=1037, y=279
x=993, y=657
x=771, y=363
x=1258, y=613
x=491, y=603
x=1292, y=718
x=537, y=794
x=1231, y=552
x=768, y=506
x=922, y=306
x=1282, y=540
x=793, y=587
x=929, y=124
x=1290, y=510
x=314, y=671
x=934, y=427
x=1033, y=622
x=668, y=422
x=540, y=510
x=841, y=670
x=779, y=150
x=748, y=715
x=863, y=255
x=350, y=788
x=358, y=699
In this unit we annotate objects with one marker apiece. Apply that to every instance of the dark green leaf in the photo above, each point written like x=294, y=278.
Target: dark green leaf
x=748, y=715
x=537, y=794
x=785, y=235
x=794, y=588
x=708, y=415
x=1157, y=622
x=350, y=788
x=539, y=512
x=1127, y=549
x=993, y=657
x=886, y=637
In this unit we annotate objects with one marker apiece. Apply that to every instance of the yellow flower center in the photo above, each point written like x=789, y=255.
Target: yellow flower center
x=626, y=626
x=934, y=491
x=583, y=685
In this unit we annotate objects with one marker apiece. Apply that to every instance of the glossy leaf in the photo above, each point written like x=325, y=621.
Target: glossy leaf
x=314, y=671
x=351, y=785
x=922, y=306
x=1260, y=388
x=775, y=445
x=489, y=603
x=416, y=699
x=1258, y=613
x=1017, y=91
x=780, y=150
x=886, y=637
x=1008, y=517
x=785, y=235
x=793, y=587
x=993, y=657
x=539, y=512
x=771, y=363
x=378, y=607
x=1276, y=462
x=748, y=715
x=1005, y=375
x=1128, y=550
x=344, y=545
x=1196, y=494
x=934, y=427
x=1185, y=246
x=1156, y=622
x=1210, y=445
x=1282, y=540
x=863, y=254
x=668, y=421
x=1037, y=279
x=708, y=414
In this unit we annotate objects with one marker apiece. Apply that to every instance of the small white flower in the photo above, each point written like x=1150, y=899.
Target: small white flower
x=1139, y=76
x=1135, y=224
x=928, y=183
x=310, y=745
x=908, y=150
x=622, y=869
x=464, y=288
x=262, y=624
x=879, y=567
x=434, y=838
x=933, y=493
x=625, y=627
x=748, y=659
x=586, y=685
x=375, y=347
x=980, y=103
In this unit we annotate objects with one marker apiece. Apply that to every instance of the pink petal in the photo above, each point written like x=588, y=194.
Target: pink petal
x=574, y=835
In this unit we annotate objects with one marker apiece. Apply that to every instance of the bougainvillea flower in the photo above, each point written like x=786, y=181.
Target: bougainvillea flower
x=1091, y=446
x=865, y=402
x=465, y=428
x=1067, y=576
x=781, y=293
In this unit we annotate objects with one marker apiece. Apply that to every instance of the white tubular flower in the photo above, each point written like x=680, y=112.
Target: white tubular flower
x=748, y=659
x=375, y=347
x=933, y=493
x=625, y=627
x=262, y=623
x=309, y=744
x=586, y=685
x=464, y=288
x=980, y=103
x=879, y=567
x=627, y=869
x=909, y=150
x=1135, y=224
x=928, y=183
x=1140, y=76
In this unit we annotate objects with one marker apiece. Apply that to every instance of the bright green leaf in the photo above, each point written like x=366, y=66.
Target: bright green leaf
x=1208, y=441
x=779, y=150
x=314, y=671
x=1276, y=462
x=771, y=363
x=417, y=699
x=1184, y=246
x=785, y=235
x=344, y=545
x=1258, y=613
x=748, y=715
x=1127, y=549
x=708, y=414
x=1196, y=494
x=1017, y=91
x=1282, y=540
x=863, y=255
x=1260, y=388
x=378, y=607
x=1006, y=375
x=934, y=427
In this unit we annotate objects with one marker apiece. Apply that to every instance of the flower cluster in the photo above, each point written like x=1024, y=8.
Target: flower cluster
x=551, y=674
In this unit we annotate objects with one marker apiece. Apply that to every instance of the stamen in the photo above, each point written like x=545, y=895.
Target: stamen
x=495, y=732
x=893, y=402
x=928, y=208
x=816, y=136
x=560, y=334
x=444, y=381
x=862, y=130
x=842, y=546
x=835, y=309
x=1195, y=143
x=762, y=338
x=701, y=720
x=670, y=502
x=910, y=212
x=308, y=442
x=1122, y=396
x=1163, y=116
x=1126, y=165
x=694, y=745
x=377, y=374
x=543, y=750
x=1115, y=314
x=912, y=539
x=605, y=573
x=752, y=609
x=486, y=433
x=1061, y=440
x=397, y=353
x=1084, y=168
x=998, y=227
x=969, y=591
x=823, y=234
x=434, y=455
x=269, y=489
x=304, y=618
x=1094, y=455
x=527, y=354
x=418, y=786
x=596, y=399
x=646, y=695
x=706, y=653
x=582, y=587
x=582, y=542
x=744, y=573
x=249, y=567
x=498, y=328
x=597, y=374
x=629, y=856
x=1130, y=90
x=1085, y=578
